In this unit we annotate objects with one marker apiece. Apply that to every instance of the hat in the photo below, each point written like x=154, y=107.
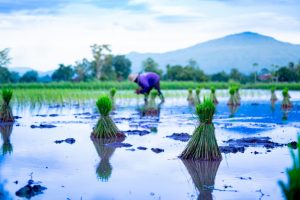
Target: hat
x=132, y=77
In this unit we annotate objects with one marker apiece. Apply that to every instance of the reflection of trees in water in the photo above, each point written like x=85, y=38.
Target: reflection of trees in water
x=203, y=174
x=233, y=109
x=104, y=169
x=6, y=130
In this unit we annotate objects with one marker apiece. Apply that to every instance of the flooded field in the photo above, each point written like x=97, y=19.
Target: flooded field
x=51, y=145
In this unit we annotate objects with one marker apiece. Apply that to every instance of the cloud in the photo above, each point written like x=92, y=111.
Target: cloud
x=43, y=35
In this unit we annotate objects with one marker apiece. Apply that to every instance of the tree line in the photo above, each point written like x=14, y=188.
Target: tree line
x=105, y=66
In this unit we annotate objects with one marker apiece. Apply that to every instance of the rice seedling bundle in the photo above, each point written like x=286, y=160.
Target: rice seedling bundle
x=213, y=96
x=197, y=96
x=286, y=103
x=291, y=190
x=237, y=97
x=190, y=97
x=231, y=101
x=105, y=127
x=273, y=95
x=6, y=114
x=151, y=108
x=203, y=144
x=112, y=94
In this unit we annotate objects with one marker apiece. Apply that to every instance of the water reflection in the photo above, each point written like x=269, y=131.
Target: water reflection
x=104, y=169
x=285, y=114
x=203, y=174
x=6, y=130
x=233, y=109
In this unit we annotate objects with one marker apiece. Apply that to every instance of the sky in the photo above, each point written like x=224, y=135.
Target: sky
x=43, y=34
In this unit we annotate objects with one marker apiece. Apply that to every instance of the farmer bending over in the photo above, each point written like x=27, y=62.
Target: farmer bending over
x=147, y=82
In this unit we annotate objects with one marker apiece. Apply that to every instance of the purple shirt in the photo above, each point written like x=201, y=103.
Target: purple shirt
x=147, y=81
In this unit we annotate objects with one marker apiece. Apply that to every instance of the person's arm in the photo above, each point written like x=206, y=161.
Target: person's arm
x=143, y=83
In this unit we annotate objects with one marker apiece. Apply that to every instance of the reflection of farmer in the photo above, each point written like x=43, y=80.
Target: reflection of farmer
x=147, y=82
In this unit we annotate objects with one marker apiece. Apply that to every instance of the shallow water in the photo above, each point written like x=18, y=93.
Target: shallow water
x=87, y=170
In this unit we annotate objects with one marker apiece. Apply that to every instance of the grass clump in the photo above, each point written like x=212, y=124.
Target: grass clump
x=190, y=97
x=213, y=96
x=6, y=114
x=203, y=144
x=291, y=190
x=273, y=95
x=105, y=127
x=286, y=103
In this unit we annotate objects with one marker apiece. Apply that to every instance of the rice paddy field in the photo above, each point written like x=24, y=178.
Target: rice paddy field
x=49, y=145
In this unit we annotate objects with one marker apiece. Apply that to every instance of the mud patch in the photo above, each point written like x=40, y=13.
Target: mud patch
x=137, y=132
x=68, y=140
x=183, y=137
x=43, y=126
x=118, y=145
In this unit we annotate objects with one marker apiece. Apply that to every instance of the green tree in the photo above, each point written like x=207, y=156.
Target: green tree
x=235, y=75
x=63, y=73
x=149, y=65
x=286, y=74
x=220, y=77
x=122, y=66
x=107, y=71
x=14, y=77
x=4, y=58
x=29, y=76
x=83, y=70
x=4, y=75
x=100, y=54
x=255, y=65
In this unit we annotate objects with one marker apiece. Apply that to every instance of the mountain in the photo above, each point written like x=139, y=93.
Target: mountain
x=23, y=70
x=233, y=51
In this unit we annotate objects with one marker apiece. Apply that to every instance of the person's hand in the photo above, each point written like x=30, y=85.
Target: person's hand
x=138, y=91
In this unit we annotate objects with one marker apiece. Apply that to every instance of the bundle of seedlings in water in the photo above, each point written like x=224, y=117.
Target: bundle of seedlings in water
x=291, y=190
x=105, y=127
x=151, y=108
x=237, y=97
x=203, y=144
x=104, y=169
x=213, y=96
x=273, y=95
x=190, y=97
x=6, y=111
x=231, y=101
x=286, y=103
x=6, y=130
x=197, y=96
x=203, y=174
x=112, y=94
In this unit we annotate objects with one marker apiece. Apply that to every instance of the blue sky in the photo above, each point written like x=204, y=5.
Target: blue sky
x=42, y=34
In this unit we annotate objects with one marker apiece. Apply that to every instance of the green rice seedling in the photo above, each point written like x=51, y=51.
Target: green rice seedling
x=273, y=95
x=197, y=96
x=6, y=114
x=203, y=174
x=112, y=93
x=231, y=101
x=104, y=169
x=291, y=190
x=151, y=109
x=237, y=97
x=6, y=130
x=286, y=103
x=203, y=144
x=105, y=127
x=213, y=96
x=190, y=97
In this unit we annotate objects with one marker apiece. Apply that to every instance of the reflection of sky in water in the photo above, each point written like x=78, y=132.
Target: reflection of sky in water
x=69, y=171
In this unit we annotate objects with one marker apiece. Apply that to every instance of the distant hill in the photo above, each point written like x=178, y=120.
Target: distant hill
x=233, y=51
x=23, y=70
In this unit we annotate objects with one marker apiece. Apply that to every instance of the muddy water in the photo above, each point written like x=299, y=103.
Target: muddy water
x=91, y=170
